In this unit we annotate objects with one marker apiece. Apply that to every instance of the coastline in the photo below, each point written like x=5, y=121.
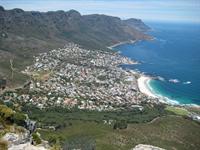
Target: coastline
x=142, y=81
x=144, y=87
x=121, y=43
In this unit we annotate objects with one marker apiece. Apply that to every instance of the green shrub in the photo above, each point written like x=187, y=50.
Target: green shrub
x=52, y=139
x=5, y=112
x=122, y=124
x=19, y=118
x=36, y=138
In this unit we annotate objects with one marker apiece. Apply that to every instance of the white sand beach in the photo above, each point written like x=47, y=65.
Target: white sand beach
x=143, y=86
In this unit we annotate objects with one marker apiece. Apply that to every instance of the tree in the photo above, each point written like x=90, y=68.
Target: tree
x=19, y=119
x=122, y=124
x=6, y=113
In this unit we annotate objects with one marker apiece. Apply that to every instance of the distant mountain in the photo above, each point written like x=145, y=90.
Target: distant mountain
x=38, y=30
x=137, y=24
x=26, y=33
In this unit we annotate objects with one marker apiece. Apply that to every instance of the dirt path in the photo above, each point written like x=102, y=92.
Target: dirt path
x=152, y=121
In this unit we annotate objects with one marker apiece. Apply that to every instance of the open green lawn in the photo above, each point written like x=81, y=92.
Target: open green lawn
x=170, y=132
x=178, y=110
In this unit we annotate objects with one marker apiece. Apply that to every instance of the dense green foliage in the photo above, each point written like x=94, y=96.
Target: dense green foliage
x=122, y=124
x=36, y=138
x=61, y=117
x=80, y=128
x=7, y=115
x=19, y=118
x=166, y=132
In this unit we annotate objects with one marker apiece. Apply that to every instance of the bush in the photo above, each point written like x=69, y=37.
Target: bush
x=120, y=125
x=36, y=139
x=5, y=112
x=19, y=119
x=52, y=139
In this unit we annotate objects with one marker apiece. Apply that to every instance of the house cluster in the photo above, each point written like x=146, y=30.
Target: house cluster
x=86, y=79
x=194, y=116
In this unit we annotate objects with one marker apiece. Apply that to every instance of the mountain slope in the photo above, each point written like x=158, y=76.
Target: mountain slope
x=137, y=24
x=27, y=33
x=38, y=29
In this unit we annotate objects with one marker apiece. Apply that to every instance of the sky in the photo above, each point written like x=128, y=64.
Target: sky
x=147, y=10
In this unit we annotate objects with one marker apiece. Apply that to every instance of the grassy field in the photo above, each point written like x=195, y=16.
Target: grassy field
x=178, y=110
x=169, y=132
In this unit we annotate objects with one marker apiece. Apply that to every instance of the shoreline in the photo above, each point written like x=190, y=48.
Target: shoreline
x=143, y=80
x=121, y=43
x=144, y=87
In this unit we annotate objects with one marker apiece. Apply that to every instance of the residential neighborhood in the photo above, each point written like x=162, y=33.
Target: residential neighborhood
x=76, y=77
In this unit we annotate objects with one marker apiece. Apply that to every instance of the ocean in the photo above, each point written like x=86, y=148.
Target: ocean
x=173, y=57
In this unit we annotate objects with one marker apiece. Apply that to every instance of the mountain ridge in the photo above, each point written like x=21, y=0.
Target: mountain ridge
x=64, y=26
x=24, y=34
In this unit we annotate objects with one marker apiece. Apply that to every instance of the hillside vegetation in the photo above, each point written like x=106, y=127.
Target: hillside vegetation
x=27, y=33
x=75, y=129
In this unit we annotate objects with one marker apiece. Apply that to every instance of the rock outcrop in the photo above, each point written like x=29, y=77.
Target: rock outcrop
x=146, y=147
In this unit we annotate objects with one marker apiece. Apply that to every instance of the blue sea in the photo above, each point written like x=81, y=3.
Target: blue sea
x=174, y=57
